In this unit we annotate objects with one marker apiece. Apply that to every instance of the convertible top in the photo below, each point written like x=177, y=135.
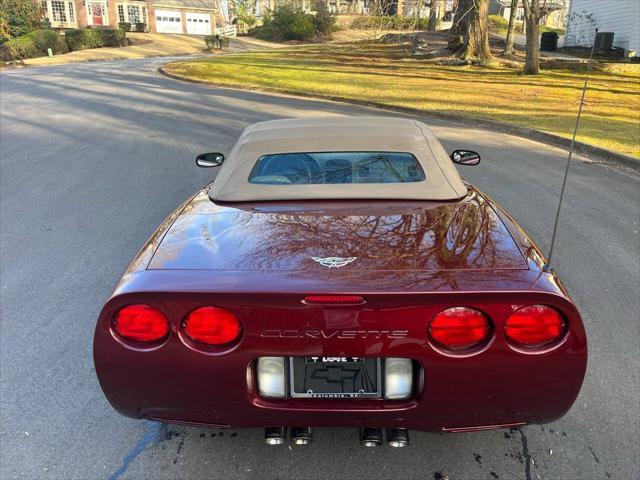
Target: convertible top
x=337, y=134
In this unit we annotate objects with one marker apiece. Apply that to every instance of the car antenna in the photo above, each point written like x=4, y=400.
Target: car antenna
x=547, y=266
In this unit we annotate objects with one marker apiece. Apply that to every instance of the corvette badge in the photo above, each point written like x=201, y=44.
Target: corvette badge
x=334, y=262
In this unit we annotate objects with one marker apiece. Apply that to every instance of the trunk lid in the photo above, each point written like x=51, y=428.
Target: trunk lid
x=349, y=236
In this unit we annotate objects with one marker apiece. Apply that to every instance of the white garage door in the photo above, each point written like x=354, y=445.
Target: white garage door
x=199, y=23
x=168, y=21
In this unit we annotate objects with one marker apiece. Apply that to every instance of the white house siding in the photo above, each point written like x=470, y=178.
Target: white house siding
x=619, y=16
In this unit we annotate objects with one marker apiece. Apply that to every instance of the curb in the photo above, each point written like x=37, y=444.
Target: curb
x=590, y=151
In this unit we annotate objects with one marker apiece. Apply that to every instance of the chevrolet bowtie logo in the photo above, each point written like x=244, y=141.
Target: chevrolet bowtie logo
x=335, y=374
x=333, y=262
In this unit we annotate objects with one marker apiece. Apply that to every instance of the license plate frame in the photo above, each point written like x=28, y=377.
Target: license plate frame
x=363, y=377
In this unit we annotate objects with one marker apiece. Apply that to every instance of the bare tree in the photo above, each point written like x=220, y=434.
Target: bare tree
x=532, y=14
x=469, y=35
x=511, y=29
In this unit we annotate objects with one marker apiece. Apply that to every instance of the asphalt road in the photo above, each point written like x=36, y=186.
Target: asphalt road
x=94, y=156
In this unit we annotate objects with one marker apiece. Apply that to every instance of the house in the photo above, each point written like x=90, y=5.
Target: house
x=196, y=17
x=95, y=13
x=554, y=14
x=622, y=17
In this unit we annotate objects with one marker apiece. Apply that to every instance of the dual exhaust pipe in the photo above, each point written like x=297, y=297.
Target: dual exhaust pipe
x=277, y=435
x=369, y=437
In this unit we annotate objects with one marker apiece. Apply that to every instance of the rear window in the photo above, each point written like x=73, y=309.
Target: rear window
x=332, y=168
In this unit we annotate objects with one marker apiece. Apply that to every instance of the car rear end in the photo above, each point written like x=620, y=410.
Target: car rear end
x=434, y=362
x=431, y=316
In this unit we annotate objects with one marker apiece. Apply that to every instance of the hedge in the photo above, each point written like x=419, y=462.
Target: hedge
x=390, y=23
x=94, y=38
x=34, y=44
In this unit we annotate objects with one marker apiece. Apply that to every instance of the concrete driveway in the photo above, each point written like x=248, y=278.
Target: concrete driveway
x=94, y=156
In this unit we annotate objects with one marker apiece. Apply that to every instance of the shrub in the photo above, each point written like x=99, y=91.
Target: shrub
x=496, y=22
x=125, y=26
x=324, y=21
x=18, y=18
x=286, y=22
x=390, y=23
x=141, y=27
x=34, y=44
x=210, y=40
x=94, y=38
x=113, y=37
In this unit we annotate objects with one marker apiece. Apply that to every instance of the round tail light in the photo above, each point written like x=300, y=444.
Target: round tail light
x=460, y=328
x=141, y=324
x=212, y=326
x=535, y=326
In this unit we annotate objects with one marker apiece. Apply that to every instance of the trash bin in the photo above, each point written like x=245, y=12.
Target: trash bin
x=549, y=41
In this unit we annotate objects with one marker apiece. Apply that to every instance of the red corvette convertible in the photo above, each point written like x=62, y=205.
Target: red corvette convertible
x=338, y=272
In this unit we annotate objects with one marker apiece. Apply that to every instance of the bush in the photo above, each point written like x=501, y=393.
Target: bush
x=286, y=22
x=113, y=37
x=324, y=21
x=496, y=22
x=34, y=44
x=210, y=40
x=125, y=26
x=141, y=27
x=18, y=18
x=94, y=38
x=390, y=23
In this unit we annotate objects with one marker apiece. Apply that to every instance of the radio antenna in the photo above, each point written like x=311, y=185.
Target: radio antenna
x=547, y=267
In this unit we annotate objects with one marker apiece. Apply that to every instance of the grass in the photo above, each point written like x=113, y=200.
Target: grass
x=385, y=74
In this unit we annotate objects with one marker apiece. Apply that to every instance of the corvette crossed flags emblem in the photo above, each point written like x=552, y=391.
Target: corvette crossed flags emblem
x=334, y=262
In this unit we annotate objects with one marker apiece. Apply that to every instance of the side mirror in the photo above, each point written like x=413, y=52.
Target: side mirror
x=465, y=157
x=206, y=160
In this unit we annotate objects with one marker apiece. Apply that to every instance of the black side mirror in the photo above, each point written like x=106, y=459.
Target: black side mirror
x=206, y=160
x=465, y=157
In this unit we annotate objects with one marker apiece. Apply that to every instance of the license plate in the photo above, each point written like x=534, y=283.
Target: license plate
x=335, y=377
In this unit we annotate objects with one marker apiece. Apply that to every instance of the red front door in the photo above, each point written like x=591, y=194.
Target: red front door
x=96, y=11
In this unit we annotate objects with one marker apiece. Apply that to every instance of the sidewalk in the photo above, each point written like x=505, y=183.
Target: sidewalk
x=151, y=45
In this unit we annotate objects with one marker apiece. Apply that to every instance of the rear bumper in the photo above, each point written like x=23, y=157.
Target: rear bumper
x=496, y=387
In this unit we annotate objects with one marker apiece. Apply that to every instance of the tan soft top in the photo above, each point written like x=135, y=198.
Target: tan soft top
x=337, y=134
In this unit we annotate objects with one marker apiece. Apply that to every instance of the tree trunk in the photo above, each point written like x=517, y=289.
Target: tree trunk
x=469, y=35
x=400, y=8
x=511, y=29
x=532, y=14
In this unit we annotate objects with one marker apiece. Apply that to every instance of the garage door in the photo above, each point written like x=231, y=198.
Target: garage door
x=199, y=23
x=168, y=21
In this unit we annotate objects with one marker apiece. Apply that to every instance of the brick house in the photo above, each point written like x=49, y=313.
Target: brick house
x=196, y=17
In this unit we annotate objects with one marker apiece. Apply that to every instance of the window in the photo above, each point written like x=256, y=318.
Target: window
x=337, y=168
x=72, y=13
x=134, y=13
x=58, y=11
x=144, y=14
x=121, y=17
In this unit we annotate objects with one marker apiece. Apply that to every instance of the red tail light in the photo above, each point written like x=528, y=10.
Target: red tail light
x=534, y=326
x=212, y=326
x=460, y=328
x=141, y=323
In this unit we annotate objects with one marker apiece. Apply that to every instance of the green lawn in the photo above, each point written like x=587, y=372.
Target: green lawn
x=386, y=75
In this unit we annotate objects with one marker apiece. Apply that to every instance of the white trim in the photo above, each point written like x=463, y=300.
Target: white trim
x=105, y=13
x=68, y=14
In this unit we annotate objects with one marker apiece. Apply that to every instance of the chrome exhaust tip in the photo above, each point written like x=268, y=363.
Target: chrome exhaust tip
x=397, y=437
x=370, y=437
x=274, y=435
x=301, y=435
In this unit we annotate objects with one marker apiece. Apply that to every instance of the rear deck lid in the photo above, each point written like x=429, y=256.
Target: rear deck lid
x=356, y=237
